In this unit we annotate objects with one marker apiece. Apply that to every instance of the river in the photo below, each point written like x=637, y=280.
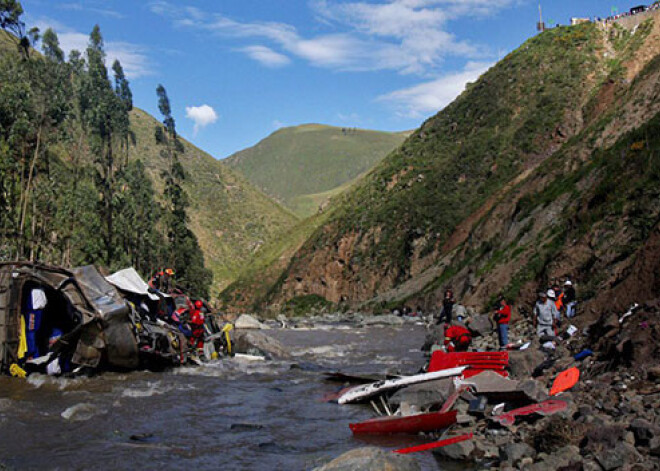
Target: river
x=233, y=413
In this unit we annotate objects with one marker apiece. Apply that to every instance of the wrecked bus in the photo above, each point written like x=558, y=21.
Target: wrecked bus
x=96, y=327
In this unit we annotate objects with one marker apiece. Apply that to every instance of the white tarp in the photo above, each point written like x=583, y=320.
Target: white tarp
x=129, y=280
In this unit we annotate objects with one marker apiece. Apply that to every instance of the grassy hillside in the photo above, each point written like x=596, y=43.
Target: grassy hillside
x=230, y=217
x=302, y=166
x=490, y=192
x=260, y=276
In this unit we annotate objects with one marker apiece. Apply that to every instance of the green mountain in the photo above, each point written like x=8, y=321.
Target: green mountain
x=545, y=168
x=229, y=216
x=305, y=165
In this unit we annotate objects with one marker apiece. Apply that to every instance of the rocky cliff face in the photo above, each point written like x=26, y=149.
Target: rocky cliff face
x=547, y=167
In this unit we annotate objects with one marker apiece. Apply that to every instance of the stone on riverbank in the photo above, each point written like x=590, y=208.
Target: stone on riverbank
x=371, y=459
x=250, y=341
x=246, y=321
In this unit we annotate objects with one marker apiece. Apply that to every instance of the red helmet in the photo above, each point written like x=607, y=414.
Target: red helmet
x=198, y=304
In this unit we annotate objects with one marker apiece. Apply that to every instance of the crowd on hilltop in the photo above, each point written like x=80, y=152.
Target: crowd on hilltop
x=632, y=12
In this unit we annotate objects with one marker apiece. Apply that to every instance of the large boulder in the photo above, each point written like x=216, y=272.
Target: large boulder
x=462, y=451
x=523, y=362
x=423, y=395
x=246, y=321
x=253, y=342
x=644, y=431
x=623, y=454
x=371, y=459
x=482, y=325
x=513, y=453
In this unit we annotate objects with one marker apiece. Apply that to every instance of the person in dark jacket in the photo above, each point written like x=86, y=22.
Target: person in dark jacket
x=570, y=298
x=447, y=307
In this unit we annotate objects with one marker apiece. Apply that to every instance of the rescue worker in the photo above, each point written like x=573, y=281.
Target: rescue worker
x=163, y=281
x=502, y=318
x=570, y=299
x=197, y=326
x=559, y=298
x=36, y=303
x=447, y=307
x=457, y=338
x=545, y=315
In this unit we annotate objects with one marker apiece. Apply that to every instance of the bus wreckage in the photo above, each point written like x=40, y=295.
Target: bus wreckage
x=59, y=321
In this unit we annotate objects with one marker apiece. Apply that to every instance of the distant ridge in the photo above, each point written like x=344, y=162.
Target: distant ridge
x=303, y=166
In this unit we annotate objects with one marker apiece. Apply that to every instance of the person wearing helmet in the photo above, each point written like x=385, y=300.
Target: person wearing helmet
x=197, y=325
x=545, y=315
x=457, y=338
x=570, y=298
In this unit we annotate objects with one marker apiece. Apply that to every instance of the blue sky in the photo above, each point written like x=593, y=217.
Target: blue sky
x=236, y=70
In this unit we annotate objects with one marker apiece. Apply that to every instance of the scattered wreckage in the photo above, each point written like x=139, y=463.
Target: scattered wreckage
x=477, y=377
x=88, y=322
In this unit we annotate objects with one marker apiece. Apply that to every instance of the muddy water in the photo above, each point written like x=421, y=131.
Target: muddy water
x=239, y=414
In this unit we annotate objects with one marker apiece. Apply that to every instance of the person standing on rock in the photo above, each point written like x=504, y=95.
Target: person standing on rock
x=447, y=307
x=570, y=299
x=502, y=318
x=545, y=316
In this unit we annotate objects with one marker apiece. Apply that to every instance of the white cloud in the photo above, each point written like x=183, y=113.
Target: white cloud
x=407, y=36
x=201, y=115
x=432, y=96
x=266, y=56
x=132, y=56
x=277, y=124
x=79, y=6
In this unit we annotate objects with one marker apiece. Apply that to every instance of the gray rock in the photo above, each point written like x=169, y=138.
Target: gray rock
x=523, y=362
x=458, y=451
x=247, y=341
x=423, y=395
x=246, y=321
x=559, y=459
x=482, y=325
x=485, y=450
x=654, y=446
x=653, y=373
x=371, y=459
x=534, y=390
x=591, y=465
x=621, y=455
x=644, y=431
x=514, y=452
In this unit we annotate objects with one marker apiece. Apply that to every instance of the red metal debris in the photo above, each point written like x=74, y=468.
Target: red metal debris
x=476, y=362
x=549, y=407
x=406, y=424
x=438, y=444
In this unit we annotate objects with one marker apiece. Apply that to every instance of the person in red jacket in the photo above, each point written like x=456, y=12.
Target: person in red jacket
x=457, y=338
x=197, y=326
x=502, y=318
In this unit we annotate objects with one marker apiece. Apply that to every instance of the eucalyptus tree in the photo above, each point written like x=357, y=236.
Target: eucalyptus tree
x=184, y=253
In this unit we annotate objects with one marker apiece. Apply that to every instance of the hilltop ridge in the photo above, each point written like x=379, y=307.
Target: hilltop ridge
x=304, y=166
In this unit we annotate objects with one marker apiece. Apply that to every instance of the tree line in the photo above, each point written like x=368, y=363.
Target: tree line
x=69, y=194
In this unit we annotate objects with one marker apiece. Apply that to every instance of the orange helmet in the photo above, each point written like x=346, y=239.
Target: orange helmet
x=169, y=271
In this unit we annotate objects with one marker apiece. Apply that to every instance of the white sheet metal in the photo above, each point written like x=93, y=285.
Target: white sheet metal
x=368, y=390
x=129, y=280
